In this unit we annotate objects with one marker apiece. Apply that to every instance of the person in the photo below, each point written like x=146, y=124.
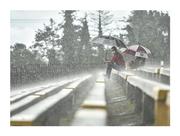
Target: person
x=117, y=62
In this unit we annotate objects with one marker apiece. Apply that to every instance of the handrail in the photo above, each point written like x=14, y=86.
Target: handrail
x=159, y=74
x=154, y=100
x=153, y=89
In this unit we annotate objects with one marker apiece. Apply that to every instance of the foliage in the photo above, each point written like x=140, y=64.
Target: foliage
x=151, y=29
x=69, y=39
x=22, y=56
x=72, y=51
x=47, y=41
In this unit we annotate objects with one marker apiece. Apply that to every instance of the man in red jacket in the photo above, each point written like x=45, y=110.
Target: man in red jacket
x=117, y=62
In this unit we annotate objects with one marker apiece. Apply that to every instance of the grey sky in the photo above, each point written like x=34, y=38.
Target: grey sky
x=25, y=23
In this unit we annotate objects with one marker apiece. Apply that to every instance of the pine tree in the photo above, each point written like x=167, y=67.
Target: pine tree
x=69, y=40
x=86, y=47
x=102, y=19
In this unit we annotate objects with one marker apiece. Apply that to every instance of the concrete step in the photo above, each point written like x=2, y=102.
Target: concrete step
x=49, y=110
x=93, y=110
x=22, y=94
x=37, y=96
x=89, y=117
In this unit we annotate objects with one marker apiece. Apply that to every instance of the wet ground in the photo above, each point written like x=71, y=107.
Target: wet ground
x=107, y=105
x=93, y=110
x=121, y=109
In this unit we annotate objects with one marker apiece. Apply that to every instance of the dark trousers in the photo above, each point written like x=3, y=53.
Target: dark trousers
x=111, y=66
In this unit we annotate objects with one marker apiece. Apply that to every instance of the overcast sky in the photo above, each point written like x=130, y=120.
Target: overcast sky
x=25, y=23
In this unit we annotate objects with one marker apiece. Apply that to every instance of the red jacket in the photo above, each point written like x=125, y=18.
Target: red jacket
x=118, y=59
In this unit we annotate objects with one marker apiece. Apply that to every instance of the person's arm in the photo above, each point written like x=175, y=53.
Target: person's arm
x=109, y=61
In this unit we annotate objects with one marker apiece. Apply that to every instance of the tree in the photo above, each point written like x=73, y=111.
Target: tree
x=19, y=46
x=101, y=19
x=85, y=37
x=130, y=34
x=21, y=56
x=151, y=29
x=164, y=24
x=47, y=41
x=69, y=39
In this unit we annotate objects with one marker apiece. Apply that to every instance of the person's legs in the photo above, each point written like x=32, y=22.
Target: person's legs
x=108, y=70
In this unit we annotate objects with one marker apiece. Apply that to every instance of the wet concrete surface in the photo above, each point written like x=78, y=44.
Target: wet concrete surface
x=121, y=109
x=93, y=110
x=107, y=105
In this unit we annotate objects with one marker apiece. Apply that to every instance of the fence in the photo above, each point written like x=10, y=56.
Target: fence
x=30, y=73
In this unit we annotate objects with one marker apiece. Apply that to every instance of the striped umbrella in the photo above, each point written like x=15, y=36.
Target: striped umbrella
x=137, y=51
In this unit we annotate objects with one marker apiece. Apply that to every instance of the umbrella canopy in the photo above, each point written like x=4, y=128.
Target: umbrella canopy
x=108, y=40
x=137, y=50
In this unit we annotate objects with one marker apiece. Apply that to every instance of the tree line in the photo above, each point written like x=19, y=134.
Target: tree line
x=72, y=50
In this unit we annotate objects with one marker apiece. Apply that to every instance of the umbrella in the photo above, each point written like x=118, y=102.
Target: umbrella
x=137, y=50
x=108, y=40
x=125, y=52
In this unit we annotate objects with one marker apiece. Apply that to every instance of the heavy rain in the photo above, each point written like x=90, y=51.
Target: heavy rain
x=51, y=50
